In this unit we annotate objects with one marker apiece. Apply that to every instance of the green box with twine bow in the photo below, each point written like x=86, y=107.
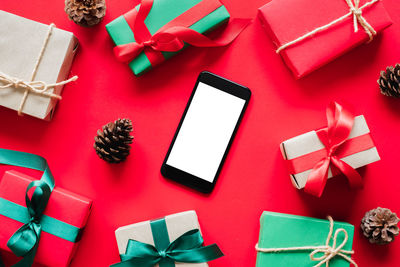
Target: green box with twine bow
x=199, y=15
x=290, y=240
x=164, y=242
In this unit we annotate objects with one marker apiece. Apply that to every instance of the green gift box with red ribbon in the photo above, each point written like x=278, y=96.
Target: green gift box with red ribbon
x=158, y=29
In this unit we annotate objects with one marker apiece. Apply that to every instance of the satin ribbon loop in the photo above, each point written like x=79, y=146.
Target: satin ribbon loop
x=186, y=248
x=24, y=242
x=340, y=123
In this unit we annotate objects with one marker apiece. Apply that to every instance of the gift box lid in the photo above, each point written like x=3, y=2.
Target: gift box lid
x=278, y=230
x=63, y=205
x=287, y=20
x=162, y=12
x=19, y=51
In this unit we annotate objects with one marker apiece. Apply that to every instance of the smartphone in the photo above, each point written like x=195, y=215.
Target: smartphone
x=205, y=132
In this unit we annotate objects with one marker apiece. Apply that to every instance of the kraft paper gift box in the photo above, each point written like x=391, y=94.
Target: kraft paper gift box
x=278, y=230
x=150, y=232
x=308, y=143
x=21, y=41
x=287, y=20
x=63, y=205
x=162, y=12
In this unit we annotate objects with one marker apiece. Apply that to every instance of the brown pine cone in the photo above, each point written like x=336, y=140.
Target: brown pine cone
x=113, y=143
x=85, y=13
x=380, y=226
x=389, y=81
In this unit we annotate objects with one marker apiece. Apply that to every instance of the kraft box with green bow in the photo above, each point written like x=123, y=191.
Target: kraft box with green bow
x=146, y=36
x=39, y=223
x=174, y=240
x=290, y=240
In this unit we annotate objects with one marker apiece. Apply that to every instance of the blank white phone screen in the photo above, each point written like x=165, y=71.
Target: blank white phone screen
x=205, y=132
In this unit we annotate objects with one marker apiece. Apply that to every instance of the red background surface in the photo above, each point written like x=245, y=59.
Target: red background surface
x=254, y=176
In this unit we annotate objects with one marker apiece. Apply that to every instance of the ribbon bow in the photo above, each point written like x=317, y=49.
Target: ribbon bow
x=171, y=37
x=186, y=248
x=329, y=252
x=24, y=242
x=340, y=123
x=358, y=18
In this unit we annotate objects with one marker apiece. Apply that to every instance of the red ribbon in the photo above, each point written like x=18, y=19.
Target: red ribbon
x=173, y=36
x=340, y=123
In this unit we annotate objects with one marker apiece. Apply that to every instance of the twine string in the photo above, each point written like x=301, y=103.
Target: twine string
x=354, y=10
x=328, y=252
x=32, y=86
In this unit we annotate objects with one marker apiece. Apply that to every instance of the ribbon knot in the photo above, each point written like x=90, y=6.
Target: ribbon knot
x=340, y=124
x=162, y=253
x=329, y=251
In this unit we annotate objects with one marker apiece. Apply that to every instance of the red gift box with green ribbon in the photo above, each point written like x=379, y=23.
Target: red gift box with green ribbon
x=146, y=36
x=39, y=223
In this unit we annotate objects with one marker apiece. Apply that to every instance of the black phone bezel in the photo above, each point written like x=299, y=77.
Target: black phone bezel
x=186, y=178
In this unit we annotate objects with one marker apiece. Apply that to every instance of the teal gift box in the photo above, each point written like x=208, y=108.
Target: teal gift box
x=290, y=240
x=161, y=13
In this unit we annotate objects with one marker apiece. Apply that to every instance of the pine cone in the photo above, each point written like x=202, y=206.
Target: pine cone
x=380, y=226
x=85, y=13
x=113, y=143
x=389, y=81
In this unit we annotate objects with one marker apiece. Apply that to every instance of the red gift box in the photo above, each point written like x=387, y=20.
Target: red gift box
x=63, y=205
x=287, y=20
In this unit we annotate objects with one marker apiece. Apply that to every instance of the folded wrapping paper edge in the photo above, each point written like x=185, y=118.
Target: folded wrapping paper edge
x=288, y=62
x=141, y=64
x=172, y=227
x=65, y=66
x=63, y=75
x=360, y=127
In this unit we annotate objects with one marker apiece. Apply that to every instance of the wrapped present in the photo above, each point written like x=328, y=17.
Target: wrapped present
x=290, y=240
x=346, y=144
x=309, y=34
x=33, y=67
x=39, y=224
x=147, y=36
x=174, y=240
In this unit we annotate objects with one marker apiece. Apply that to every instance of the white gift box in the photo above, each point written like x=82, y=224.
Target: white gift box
x=177, y=224
x=309, y=142
x=21, y=41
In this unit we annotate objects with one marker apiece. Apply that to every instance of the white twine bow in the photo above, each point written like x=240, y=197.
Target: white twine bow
x=354, y=10
x=329, y=252
x=31, y=86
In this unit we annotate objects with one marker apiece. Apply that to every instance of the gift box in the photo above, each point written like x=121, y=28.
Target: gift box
x=205, y=15
x=285, y=21
x=303, y=152
x=65, y=213
x=288, y=240
x=21, y=42
x=161, y=233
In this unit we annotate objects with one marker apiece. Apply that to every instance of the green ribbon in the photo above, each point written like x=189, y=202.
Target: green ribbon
x=187, y=248
x=24, y=242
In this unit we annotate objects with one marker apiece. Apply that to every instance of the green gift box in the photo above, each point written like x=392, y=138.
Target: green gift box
x=289, y=240
x=161, y=13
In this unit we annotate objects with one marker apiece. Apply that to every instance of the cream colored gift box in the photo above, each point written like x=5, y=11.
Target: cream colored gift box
x=309, y=142
x=21, y=41
x=177, y=225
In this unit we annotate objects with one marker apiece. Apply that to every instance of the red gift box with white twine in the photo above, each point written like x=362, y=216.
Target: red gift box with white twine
x=309, y=34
